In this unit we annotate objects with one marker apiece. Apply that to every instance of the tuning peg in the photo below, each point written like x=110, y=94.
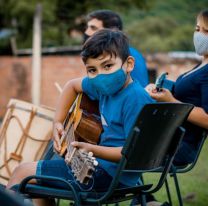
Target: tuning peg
x=90, y=154
x=95, y=163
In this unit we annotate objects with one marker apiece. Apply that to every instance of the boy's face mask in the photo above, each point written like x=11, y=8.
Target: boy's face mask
x=201, y=43
x=109, y=84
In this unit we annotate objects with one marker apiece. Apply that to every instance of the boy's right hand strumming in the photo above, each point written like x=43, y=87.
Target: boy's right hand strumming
x=58, y=131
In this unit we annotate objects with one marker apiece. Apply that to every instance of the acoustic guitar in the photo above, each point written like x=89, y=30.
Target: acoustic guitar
x=81, y=124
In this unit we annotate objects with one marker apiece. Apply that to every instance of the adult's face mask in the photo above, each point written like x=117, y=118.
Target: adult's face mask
x=109, y=84
x=201, y=43
x=85, y=37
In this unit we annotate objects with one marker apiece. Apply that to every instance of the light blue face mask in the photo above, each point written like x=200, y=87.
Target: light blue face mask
x=109, y=84
x=201, y=43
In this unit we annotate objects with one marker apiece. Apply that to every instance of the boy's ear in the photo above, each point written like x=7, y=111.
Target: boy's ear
x=130, y=63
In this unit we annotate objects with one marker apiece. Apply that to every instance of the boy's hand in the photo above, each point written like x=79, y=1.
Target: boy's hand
x=85, y=147
x=58, y=131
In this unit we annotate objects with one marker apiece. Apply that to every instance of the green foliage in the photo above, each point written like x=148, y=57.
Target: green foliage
x=154, y=35
x=166, y=26
x=153, y=25
x=59, y=17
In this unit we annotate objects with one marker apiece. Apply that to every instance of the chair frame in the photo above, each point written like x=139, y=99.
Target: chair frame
x=128, y=162
x=183, y=169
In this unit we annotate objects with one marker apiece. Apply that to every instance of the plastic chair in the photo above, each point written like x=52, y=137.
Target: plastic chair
x=152, y=144
x=183, y=169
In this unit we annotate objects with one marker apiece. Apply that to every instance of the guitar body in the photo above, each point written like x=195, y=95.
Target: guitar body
x=85, y=122
x=82, y=124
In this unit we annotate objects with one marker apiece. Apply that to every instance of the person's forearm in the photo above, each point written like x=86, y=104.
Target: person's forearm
x=108, y=153
x=198, y=117
x=65, y=101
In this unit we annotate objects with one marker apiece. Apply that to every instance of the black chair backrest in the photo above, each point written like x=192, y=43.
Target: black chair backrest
x=154, y=135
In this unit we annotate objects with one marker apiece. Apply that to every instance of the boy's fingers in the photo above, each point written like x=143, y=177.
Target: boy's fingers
x=60, y=129
x=57, y=145
x=75, y=144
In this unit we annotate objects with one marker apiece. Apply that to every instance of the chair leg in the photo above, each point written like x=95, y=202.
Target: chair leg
x=57, y=202
x=180, y=201
x=168, y=192
x=143, y=200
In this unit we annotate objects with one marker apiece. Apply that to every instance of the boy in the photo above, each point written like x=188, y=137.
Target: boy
x=100, y=19
x=108, y=65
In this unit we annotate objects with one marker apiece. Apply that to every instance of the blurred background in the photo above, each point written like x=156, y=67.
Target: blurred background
x=161, y=30
x=153, y=25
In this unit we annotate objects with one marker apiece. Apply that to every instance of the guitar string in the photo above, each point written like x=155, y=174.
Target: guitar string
x=70, y=137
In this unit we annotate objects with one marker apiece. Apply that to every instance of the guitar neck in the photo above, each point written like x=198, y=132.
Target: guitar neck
x=70, y=155
x=66, y=140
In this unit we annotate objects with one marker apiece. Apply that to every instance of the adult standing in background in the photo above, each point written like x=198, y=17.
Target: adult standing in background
x=101, y=19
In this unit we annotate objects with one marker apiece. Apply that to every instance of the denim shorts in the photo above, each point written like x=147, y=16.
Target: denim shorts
x=58, y=168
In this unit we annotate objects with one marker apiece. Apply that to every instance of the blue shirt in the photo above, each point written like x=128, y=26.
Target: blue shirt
x=140, y=70
x=118, y=115
x=192, y=87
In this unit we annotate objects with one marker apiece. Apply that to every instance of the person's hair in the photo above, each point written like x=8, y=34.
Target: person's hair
x=203, y=16
x=109, y=18
x=106, y=41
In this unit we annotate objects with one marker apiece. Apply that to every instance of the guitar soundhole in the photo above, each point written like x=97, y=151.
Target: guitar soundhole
x=86, y=180
x=90, y=172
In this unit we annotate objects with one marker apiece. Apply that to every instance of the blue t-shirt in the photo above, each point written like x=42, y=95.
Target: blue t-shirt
x=118, y=115
x=192, y=87
x=140, y=70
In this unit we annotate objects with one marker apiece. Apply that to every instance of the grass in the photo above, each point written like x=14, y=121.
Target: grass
x=193, y=185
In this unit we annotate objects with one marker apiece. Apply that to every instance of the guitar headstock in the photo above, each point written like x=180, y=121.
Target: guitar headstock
x=82, y=165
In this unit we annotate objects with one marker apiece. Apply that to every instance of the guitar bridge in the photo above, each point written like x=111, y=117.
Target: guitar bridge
x=82, y=165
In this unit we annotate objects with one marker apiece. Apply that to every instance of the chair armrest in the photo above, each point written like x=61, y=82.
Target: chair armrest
x=23, y=184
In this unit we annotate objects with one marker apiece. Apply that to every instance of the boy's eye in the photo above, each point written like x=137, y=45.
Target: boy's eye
x=108, y=66
x=91, y=70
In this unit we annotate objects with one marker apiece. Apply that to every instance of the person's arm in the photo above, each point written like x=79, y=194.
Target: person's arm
x=197, y=116
x=108, y=153
x=65, y=100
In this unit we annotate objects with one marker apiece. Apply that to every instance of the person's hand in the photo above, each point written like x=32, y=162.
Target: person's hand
x=58, y=131
x=150, y=88
x=162, y=96
x=83, y=146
